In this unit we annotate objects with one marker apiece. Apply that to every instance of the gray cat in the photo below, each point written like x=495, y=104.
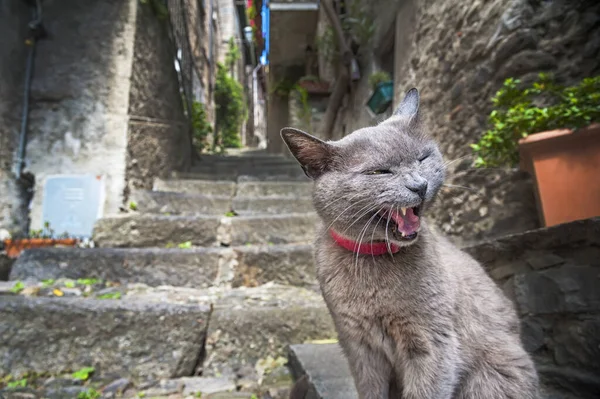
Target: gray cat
x=416, y=317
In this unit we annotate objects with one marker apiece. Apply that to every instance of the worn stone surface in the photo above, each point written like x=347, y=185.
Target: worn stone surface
x=217, y=188
x=273, y=229
x=269, y=189
x=180, y=203
x=155, y=230
x=252, y=205
x=285, y=264
x=133, y=339
x=196, y=267
x=553, y=276
x=327, y=369
x=79, y=96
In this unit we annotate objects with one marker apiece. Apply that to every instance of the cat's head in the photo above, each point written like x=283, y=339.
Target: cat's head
x=376, y=183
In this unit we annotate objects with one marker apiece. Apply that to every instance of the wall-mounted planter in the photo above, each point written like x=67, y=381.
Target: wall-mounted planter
x=14, y=248
x=565, y=166
x=381, y=98
x=314, y=86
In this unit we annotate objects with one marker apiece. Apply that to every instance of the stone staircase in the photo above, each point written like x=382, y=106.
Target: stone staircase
x=197, y=290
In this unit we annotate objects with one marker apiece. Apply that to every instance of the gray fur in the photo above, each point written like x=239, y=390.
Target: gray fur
x=426, y=322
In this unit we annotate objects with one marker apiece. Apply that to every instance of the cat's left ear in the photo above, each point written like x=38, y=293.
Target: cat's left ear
x=409, y=107
x=315, y=156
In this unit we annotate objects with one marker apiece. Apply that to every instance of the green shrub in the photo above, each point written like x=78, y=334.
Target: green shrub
x=378, y=77
x=542, y=106
x=201, y=127
x=230, y=110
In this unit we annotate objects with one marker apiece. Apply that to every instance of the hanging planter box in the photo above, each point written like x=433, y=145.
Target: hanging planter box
x=381, y=98
x=314, y=86
x=565, y=166
x=14, y=248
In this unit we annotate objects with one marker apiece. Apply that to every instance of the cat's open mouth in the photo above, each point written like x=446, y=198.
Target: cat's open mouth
x=406, y=222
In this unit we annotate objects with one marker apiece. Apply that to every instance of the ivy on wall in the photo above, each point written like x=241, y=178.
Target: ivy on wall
x=230, y=110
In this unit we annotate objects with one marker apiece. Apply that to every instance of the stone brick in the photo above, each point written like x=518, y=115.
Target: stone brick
x=142, y=340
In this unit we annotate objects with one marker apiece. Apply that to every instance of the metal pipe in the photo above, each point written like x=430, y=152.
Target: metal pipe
x=20, y=158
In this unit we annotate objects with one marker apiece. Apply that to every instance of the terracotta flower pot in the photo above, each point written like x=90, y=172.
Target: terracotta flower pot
x=15, y=247
x=565, y=165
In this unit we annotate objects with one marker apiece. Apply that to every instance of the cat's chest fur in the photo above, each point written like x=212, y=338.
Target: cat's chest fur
x=389, y=301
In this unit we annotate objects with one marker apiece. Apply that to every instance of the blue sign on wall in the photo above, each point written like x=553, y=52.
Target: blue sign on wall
x=73, y=203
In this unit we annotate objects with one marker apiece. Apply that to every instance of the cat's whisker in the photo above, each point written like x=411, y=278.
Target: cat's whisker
x=344, y=211
x=361, y=236
x=340, y=198
x=387, y=238
x=446, y=164
x=373, y=233
x=371, y=209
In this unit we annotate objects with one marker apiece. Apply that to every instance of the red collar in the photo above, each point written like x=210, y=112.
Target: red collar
x=369, y=248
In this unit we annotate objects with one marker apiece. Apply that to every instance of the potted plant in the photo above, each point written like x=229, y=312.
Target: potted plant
x=37, y=239
x=313, y=85
x=550, y=131
x=383, y=92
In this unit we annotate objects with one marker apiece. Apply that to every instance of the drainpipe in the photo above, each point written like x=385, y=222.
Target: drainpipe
x=36, y=32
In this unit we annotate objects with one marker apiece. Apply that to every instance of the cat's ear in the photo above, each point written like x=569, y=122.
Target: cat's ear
x=409, y=107
x=314, y=155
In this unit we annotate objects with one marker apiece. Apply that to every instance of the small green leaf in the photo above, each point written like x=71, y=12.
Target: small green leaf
x=48, y=282
x=70, y=284
x=87, y=281
x=110, y=295
x=133, y=205
x=18, y=287
x=83, y=374
x=231, y=214
x=185, y=245
x=22, y=383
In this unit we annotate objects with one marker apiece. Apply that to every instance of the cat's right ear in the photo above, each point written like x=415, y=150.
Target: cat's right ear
x=315, y=156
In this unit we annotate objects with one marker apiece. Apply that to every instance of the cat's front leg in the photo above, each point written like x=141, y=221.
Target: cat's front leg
x=372, y=372
x=431, y=374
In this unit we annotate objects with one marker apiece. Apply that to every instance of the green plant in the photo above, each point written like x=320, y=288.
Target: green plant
x=83, y=374
x=48, y=282
x=232, y=55
x=69, y=284
x=230, y=214
x=87, y=281
x=230, y=111
x=133, y=205
x=110, y=295
x=327, y=44
x=89, y=393
x=359, y=23
x=22, y=383
x=18, y=287
x=541, y=106
x=378, y=77
x=185, y=245
x=304, y=113
x=200, y=126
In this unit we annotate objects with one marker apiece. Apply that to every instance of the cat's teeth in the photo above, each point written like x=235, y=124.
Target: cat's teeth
x=403, y=210
x=403, y=234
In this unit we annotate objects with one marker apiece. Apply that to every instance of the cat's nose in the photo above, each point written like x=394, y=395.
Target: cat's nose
x=418, y=186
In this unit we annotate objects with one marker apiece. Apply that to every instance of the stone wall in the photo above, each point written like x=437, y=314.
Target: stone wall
x=158, y=135
x=458, y=53
x=14, y=17
x=553, y=276
x=79, y=96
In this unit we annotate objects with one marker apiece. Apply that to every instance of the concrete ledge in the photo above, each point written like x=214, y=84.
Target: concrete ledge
x=152, y=266
x=277, y=189
x=130, y=339
x=277, y=205
x=327, y=369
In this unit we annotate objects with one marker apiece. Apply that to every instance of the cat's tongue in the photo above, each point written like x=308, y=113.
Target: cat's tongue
x=408, y=223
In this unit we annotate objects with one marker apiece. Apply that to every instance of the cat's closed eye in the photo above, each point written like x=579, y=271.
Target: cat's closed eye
x=424, y=156
x=377, y=172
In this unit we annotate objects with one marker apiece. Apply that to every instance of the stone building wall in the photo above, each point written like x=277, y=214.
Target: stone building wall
x=458, y=53
x=552, y=276
x=104, y=101
x=14, y=17
x=158, y=139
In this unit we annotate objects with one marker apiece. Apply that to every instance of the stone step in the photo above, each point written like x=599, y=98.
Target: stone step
x=148, y=230
x=204, y=187
x=246, y=325
x=194, y=267
x=191, y=204
x=126, y=338
x=274, y=189
x=242, y=176
x=165, y=202
x=327, y=370
x=272, y=205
